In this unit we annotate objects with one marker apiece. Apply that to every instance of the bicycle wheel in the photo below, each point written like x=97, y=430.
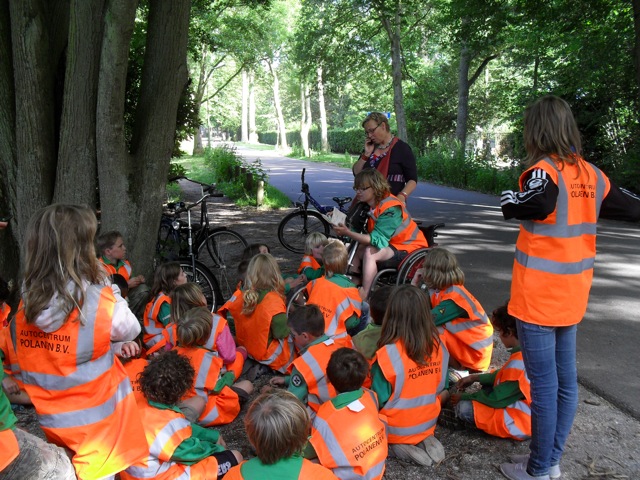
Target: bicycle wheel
x=296, y=297
x=222, y=252
x=411, y=265
x=206, y=280
x=295, y=227
x=168, y=243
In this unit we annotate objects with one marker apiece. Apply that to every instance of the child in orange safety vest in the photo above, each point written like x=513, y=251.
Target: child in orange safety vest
x=408, y=375
x=259, y=314
x=157, y=313
x=308, y=372
x=503, y=407
x=278, y=427
x=348, y=434
x=216, y=386
x=337, y=297
x=177, y=447
x=462, y=322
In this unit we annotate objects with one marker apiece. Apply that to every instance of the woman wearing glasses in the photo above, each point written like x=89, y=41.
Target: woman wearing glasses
x=389, y=155
x=390, y=234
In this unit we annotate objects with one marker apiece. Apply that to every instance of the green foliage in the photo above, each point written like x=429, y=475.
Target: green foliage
x=339, y=140
x=176, y=170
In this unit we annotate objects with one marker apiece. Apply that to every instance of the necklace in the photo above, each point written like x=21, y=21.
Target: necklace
x=381, y=147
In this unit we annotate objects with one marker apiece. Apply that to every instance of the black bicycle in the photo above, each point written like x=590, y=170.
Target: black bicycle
x=297, y=225
x=218, y=249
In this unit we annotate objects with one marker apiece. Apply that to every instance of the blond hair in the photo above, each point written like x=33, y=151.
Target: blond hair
x=335, y=258
x=60, y=258
x=441, y=269
x=379, y=118
x=194, y=328
x=550, y=129
x=278, y=426
x=313, y=240
x=408, y=319
x=263, y=273
x=185, y=297
x=374, y=179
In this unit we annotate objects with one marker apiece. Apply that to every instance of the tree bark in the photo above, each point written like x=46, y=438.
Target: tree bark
x=244, y=124
x=253, y=130
x=324, y=137
x=305, y=119
x=282, y=130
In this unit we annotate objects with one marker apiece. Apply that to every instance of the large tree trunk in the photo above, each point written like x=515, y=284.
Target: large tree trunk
x=282, y=130
x=394, y=34
x=253, y=130
x=244, y=124
x=305, y=118
x=324, y=137
x=198, y=148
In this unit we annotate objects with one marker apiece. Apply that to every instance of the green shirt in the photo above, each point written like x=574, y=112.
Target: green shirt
x=279, y=328
x=202, y=444
x=7, y=417
x=313, y=274
x=385, y=226
x=447, y=311
x=500, y=396
x=283, y=469
x=164, y=315
x=366, y=342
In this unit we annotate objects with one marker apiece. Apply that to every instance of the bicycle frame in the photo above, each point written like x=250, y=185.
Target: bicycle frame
x=308, y=198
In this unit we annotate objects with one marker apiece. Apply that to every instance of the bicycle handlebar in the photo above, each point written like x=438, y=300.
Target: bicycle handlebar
x=183, y=207
x=208, y=186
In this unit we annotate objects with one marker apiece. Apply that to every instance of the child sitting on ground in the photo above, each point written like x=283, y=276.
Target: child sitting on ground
x=462, y=323
x=278, y=427
x=157, y=313
x=366, y=342
x=337, y=296
x=348, y=435
x=408, y=374
x=260, y=315
x=503, y=407
x=311, y=264
x=177, y=448
x=113, y=254
x=221, y=395
x=308, y=379
x=12, y=384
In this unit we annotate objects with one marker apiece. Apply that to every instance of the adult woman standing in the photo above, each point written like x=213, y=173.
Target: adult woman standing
x=389, y=155
x=560, y=201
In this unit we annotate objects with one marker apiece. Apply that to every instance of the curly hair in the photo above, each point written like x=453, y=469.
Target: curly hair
x=374, y=179
x=503, y=322
x=441, y=269
x=263, y=273
x=167, y=377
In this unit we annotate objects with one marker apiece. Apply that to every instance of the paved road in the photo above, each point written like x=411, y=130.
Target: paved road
x=484, y=243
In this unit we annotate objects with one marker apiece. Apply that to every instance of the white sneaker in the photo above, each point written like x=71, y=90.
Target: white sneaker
x=518, y=471
x=410, y=453
x=554, y=470
x=434, y=448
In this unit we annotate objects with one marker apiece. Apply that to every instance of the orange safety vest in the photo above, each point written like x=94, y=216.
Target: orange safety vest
x=10, y=448
x=312, y=365
x=352, y=440
x=81, y=393
x=337, y=304
x=10, y=363
x=309, y=262
x=234, y=304
x=553, y=266
x=513, y=421
x=253, y=331
x=165, y=430
x=5, y=311
x=221, y=408
x=124, y=269
x=468, y=340
x=134, y=368
x=308, y=471
x=152, y=326
x=413, y=408
x=407, y=237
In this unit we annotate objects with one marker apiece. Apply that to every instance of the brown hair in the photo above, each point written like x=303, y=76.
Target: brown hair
x=503, y=322
x=263, y=273
x=347, y=369
x=374, y=179
x=278, y=426
x=107, y=240
x=335, y=258
x=551, y=129
x=307, y=319
x=379, y=118
x=441, y=270
x=164, y=278
x=314, y=239
x=194, y=328
x=408, y=319
x=59, y=256
x=167, y=377
x=185, y=297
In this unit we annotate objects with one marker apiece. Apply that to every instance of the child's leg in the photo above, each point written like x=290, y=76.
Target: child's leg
x=464, y=411
x=192, y=408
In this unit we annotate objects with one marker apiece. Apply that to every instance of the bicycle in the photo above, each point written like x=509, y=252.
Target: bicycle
x=218, y=249
x=294, y=228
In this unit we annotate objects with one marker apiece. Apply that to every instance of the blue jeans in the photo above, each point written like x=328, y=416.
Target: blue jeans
x=550, y=361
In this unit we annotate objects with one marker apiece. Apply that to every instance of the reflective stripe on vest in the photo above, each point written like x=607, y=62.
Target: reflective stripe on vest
x=152, y=326
x=407, y=234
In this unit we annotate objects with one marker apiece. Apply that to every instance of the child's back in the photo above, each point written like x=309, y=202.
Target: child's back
x=157, y=313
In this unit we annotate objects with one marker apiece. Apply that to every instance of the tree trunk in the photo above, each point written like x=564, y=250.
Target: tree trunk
x=244, y=128
x=394, y=34
x=198, y=149
x=253, y=130
x=304, y=120
x=307, y=106
x=282, y=131
x=463, y=96
x=324, y=137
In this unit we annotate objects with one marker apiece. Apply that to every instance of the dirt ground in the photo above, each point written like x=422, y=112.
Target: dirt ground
x=604, y=442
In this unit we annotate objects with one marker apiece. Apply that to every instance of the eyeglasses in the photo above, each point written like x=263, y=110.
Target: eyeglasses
x=361, y=189
x=371, y=130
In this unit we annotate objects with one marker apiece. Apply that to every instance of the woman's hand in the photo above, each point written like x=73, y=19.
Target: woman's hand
x=10, y=386
x=341, y=230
